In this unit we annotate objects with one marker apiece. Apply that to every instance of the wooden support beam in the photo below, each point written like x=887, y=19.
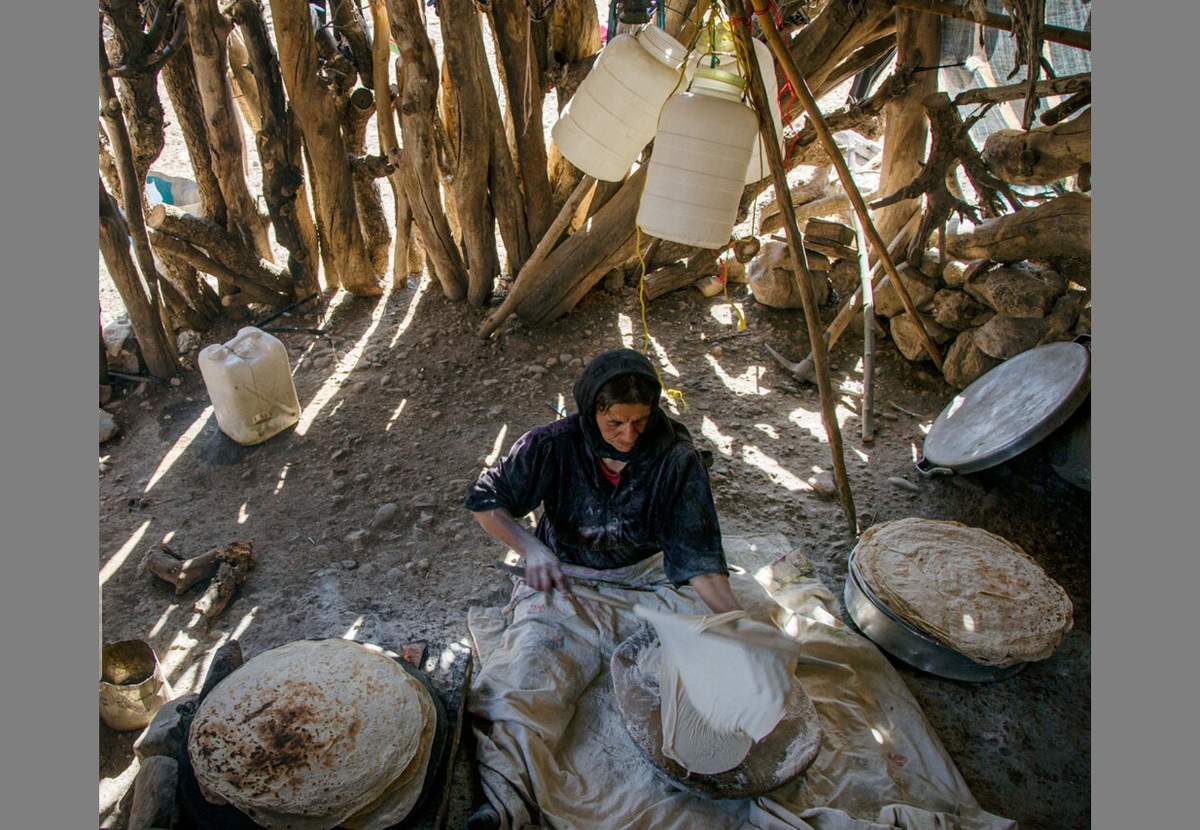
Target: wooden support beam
x=527, y=279
x=1068, y=85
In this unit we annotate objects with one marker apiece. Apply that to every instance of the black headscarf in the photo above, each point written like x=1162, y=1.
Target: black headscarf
x=603, y=368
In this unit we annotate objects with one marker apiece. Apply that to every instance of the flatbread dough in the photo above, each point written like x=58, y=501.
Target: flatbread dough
x=977, y=592
x=718, y=695
x=690, y=740
x=308, y=734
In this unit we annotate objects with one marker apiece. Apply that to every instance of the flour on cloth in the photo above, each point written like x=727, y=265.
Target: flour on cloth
x=718, y=695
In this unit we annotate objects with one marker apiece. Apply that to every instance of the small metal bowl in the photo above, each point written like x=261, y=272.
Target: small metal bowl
x=907, y=643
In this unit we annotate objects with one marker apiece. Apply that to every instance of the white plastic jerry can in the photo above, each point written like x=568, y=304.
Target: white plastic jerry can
x=250, y=385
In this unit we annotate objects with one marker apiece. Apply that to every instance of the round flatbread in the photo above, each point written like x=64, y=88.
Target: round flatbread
x=306, y=735
x=974, y=591
x=690, y=740
x=399, y=798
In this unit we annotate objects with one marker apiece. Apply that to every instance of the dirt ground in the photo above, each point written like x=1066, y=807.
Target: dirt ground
x=355, y=519
x=404, y=404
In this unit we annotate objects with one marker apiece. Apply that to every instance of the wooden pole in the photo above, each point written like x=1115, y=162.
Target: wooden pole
x=389, y=142
x=770, y=141
x=316, y=111
x=906, y=124
x=516, y=53
x=579, y=255
x=800, y=88
x=146, y=314
x=417, y=111
x=278, y=143
x=208, y=29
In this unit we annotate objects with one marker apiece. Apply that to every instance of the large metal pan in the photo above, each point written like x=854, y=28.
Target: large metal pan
x=1009, y=409
x=906, y=642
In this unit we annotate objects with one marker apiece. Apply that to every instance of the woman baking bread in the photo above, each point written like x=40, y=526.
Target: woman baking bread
x=626, y=509
x=618, y=482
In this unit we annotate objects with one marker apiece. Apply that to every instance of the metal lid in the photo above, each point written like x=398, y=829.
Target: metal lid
x=1009, y=409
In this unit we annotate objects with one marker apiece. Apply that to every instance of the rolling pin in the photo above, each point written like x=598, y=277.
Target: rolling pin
x=757, y=638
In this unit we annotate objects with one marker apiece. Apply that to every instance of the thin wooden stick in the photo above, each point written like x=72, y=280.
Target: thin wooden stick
x=803, y=371
x=800, y=88
x=778, y=642
x=522, y=288
x=868, y=302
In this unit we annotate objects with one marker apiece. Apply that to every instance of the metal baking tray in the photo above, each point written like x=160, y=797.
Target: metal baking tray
x=905, y=642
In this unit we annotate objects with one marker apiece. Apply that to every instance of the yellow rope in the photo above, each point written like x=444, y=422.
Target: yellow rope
x=746, y=68
x=673, y=395
x=711, y=19
x=642, y=288
x=741, y=324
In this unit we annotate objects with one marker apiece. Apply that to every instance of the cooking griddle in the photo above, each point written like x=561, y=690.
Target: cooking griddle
x=905, y=641
x=1008, y=409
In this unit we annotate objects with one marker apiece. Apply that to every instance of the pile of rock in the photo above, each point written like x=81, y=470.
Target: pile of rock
x=979, y=313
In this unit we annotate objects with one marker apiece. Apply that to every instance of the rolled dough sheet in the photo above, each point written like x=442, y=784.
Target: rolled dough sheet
x=719, y=696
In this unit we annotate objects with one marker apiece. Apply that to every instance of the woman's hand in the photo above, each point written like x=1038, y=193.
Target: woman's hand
x=543, y=571
x=716, y=592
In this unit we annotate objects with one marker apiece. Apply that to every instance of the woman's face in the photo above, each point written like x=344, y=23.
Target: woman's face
x=622, y=423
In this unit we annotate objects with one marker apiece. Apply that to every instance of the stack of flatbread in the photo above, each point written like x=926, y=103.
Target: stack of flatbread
x=976, y=592
x=313, y=735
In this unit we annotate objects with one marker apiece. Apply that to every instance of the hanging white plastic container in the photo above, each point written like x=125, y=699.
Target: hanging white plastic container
x=613, y=114
x=722, y=46
x=250, y=385
x=697, y=170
